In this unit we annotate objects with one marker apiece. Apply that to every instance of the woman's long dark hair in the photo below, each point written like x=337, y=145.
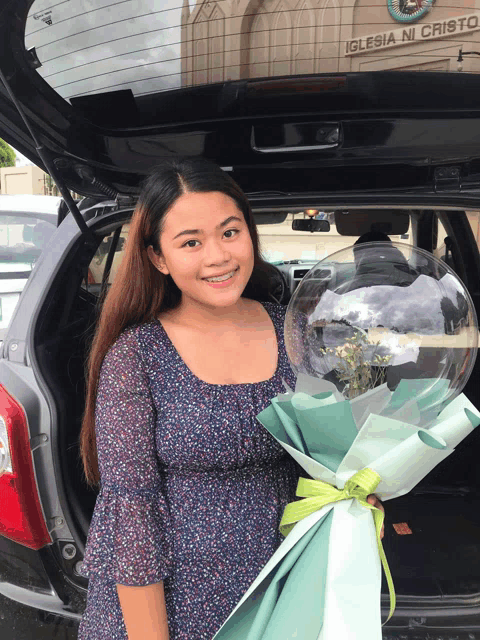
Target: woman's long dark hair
x=139, y=291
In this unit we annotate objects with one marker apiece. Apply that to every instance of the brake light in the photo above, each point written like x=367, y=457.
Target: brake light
x=21, y=515
x=290, y=86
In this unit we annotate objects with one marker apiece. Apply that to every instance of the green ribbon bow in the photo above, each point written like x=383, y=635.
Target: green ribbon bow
x=317, y=494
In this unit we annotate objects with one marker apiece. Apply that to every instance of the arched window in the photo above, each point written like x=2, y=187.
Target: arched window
x=216, y=41
x=209, y=45
x=304, y=40
x=327, y=55
x=281, y=42
x=259, y=47
x=200, y=54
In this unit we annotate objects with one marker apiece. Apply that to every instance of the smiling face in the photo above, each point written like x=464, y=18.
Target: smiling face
x=205, y=235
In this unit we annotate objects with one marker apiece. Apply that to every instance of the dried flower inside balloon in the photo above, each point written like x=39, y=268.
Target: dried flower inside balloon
x=356, y=366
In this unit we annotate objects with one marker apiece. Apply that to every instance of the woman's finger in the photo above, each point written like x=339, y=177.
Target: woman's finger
x=375, y=502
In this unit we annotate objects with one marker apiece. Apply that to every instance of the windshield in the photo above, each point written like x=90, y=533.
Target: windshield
x=95, y=46
x=279, y=242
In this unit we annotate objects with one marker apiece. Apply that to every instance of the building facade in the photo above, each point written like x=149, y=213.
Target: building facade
x=232, y=39
x=25, y=180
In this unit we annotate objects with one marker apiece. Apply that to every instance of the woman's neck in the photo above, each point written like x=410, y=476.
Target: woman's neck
x=190, y=313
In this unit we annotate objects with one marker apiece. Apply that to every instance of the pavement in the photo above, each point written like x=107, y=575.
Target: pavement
x=18, y=622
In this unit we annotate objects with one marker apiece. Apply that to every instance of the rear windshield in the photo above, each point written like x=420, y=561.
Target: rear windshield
x=94, y=46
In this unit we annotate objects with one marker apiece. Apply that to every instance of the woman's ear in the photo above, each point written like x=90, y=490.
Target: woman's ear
x=157, y=261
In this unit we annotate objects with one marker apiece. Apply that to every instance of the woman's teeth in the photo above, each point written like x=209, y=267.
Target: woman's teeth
x=221, y=278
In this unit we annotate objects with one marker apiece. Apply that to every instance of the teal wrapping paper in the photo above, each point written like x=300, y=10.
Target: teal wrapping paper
x=324, y=581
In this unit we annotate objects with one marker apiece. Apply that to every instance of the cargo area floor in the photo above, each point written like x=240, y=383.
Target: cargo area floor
x=441, y=555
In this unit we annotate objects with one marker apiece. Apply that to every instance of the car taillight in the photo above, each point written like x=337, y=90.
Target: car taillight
x=21, y=516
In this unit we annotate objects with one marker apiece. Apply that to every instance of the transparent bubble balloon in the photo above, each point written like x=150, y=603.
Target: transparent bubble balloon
x=384, y=314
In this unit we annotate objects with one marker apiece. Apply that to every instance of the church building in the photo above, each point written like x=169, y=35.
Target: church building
x=232, y=39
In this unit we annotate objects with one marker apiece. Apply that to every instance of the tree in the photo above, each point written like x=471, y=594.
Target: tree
x=7, y=155
x=51, y=188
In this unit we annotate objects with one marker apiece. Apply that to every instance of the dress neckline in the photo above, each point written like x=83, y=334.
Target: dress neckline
x=233, y=384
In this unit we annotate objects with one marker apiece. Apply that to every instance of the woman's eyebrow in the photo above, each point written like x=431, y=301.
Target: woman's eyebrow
x=198, y=231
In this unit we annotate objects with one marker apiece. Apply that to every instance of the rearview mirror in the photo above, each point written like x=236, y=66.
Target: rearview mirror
x=311, y=225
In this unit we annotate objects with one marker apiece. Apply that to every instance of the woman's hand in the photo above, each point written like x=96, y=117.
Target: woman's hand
x=375, y=502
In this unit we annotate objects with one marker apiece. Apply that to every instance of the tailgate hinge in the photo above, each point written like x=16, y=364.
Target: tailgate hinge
x=447, y=179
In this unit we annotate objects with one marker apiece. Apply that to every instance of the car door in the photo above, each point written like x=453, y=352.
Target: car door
x=26, y=225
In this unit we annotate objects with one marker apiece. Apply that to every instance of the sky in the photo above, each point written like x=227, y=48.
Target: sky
x=89, y=48
x=22, y=161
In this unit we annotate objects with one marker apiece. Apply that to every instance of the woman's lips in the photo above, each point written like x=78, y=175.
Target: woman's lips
x=223, y=283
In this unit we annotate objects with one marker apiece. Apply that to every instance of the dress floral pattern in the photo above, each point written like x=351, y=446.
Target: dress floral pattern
x=192, y=486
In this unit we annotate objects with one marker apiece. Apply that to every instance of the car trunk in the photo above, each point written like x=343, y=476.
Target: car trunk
x=432, y=535
x=340, y=135
x=432, y=538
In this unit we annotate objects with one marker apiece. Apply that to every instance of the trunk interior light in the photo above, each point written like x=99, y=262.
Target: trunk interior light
x=21, y=514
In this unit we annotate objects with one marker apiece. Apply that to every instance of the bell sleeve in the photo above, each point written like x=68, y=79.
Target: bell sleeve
x=129, y=538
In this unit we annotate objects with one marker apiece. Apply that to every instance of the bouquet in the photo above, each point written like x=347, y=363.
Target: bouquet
x=371, y=412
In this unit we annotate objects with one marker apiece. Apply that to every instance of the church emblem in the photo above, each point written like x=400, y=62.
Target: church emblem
x=409, y=10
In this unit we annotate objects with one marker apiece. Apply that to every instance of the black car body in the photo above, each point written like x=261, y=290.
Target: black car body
x=373, y=142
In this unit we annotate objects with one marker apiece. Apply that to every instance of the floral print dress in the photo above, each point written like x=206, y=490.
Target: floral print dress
x=193, y=487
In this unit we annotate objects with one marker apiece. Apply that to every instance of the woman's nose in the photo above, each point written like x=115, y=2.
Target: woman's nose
x=216, y=252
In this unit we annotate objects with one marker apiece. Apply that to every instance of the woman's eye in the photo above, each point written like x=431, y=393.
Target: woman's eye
x=232, y=233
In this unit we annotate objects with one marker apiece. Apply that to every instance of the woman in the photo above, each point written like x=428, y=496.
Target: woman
x=192, y=487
